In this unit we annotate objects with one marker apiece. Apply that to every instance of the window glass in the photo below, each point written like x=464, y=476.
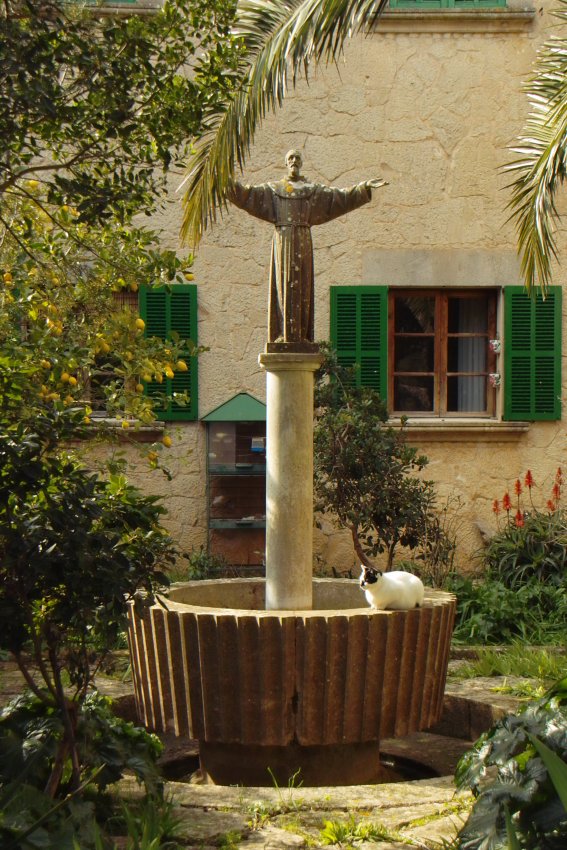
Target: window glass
x=414, y=355
x=440, y=358
x=414, y=393
x=415, y=314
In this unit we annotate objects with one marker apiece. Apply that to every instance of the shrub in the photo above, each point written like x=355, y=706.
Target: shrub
x=200, y=565
x=73, y=548
x=365, y=473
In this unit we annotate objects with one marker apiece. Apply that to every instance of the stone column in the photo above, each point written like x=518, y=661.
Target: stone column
x=289, y=479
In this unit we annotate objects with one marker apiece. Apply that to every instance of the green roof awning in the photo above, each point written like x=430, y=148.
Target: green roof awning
x=241, y=408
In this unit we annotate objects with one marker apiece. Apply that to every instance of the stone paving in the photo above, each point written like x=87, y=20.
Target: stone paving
x=423, y=813
x=419, y=814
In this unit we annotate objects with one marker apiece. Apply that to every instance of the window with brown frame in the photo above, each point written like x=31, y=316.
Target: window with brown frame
x=439, y=353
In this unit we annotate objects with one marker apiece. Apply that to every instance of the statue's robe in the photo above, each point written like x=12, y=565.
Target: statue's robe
x=294, y=208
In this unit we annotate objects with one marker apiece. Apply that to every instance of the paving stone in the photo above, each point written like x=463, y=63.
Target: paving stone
x=272, y=838
x=438, y=752
x=210, y=825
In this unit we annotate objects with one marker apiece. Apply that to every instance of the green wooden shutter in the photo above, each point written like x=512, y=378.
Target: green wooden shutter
x=532, y=354
x=359, y=333
x=167, y=311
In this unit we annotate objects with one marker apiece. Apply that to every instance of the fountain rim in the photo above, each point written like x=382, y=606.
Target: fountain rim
x=433, y=598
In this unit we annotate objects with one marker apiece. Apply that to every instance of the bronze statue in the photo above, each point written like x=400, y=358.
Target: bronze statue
x=294, y=204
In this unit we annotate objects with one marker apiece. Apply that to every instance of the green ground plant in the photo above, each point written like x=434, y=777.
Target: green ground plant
x=352, y=832
x=489, y=612
x=530, y=543
x=518, y=774
x=521, y=592
x=517, y=660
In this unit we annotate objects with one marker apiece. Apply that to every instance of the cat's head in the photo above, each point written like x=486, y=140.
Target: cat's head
x=368, y=575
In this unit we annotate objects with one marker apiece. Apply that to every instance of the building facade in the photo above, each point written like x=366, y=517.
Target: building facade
x=420, y=288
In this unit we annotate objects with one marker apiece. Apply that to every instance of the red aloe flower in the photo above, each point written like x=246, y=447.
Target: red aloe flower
x=506, y=501
x=496, y=507
x=529, y=480
x=556, y=491
x=518, y=487
x=559, y=476
x=519, y=518
x=550, y=505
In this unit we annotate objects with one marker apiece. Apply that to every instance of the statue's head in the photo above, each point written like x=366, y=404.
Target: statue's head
x=294, y=161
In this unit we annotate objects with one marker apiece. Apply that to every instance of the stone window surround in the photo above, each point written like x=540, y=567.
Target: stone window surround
x=517, y=16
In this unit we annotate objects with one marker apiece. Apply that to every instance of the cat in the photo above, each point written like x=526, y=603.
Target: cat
x=396, y=590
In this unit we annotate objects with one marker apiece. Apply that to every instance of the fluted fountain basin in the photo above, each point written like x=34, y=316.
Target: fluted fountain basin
x=268, y=693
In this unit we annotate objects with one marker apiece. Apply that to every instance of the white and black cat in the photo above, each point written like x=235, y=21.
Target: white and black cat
x=396, y=590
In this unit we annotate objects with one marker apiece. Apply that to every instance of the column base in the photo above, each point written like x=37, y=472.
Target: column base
x=335, y=764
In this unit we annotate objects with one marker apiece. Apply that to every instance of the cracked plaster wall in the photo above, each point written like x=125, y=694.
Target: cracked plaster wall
x=433, y=113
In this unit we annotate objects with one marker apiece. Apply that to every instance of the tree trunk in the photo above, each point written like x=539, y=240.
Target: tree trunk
x=363, y=557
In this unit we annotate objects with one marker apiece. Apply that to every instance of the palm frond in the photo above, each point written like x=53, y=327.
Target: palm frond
x=541, y=167
x=281, y=39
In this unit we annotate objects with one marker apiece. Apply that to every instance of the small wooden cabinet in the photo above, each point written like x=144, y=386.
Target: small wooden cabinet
x=236, y=483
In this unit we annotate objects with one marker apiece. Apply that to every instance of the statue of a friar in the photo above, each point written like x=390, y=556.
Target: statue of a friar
x=294, y=205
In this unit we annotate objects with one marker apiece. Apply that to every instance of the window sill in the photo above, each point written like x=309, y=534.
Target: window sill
x=463, y=430
x=517, y=17
x=135, y=433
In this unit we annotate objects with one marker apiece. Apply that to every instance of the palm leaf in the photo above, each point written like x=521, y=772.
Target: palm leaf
x=280, y=39
x=541, y=167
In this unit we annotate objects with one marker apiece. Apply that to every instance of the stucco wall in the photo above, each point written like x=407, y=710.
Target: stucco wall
x=433, y=112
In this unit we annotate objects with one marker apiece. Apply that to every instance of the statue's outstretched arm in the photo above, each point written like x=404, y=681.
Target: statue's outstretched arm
x=375, y=183
x=255, y=200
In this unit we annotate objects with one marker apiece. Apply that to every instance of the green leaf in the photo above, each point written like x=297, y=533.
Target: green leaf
x=513, y=840
x=556, y=767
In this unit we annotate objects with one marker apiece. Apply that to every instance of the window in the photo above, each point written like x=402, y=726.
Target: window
x=428, y=352
x=171, y=311
x=446, y=4
x=440, y=356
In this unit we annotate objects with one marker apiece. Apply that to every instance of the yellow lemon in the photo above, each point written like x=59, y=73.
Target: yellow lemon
x=159, y=378
x=166, y=440
x=7, y=277
x=32, y=184
x=139, y=388
x=45, y=364
x=168, y=372
x=152, y=456
x=72, y=381
x=133, y=287
x=125, y=424
x=189, y=275
x=65, y=377
x=140, y=324
x=87, y=420
x=147, y=378
x=181, y=366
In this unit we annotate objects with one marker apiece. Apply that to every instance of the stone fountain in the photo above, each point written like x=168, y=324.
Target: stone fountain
x=291, y=673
